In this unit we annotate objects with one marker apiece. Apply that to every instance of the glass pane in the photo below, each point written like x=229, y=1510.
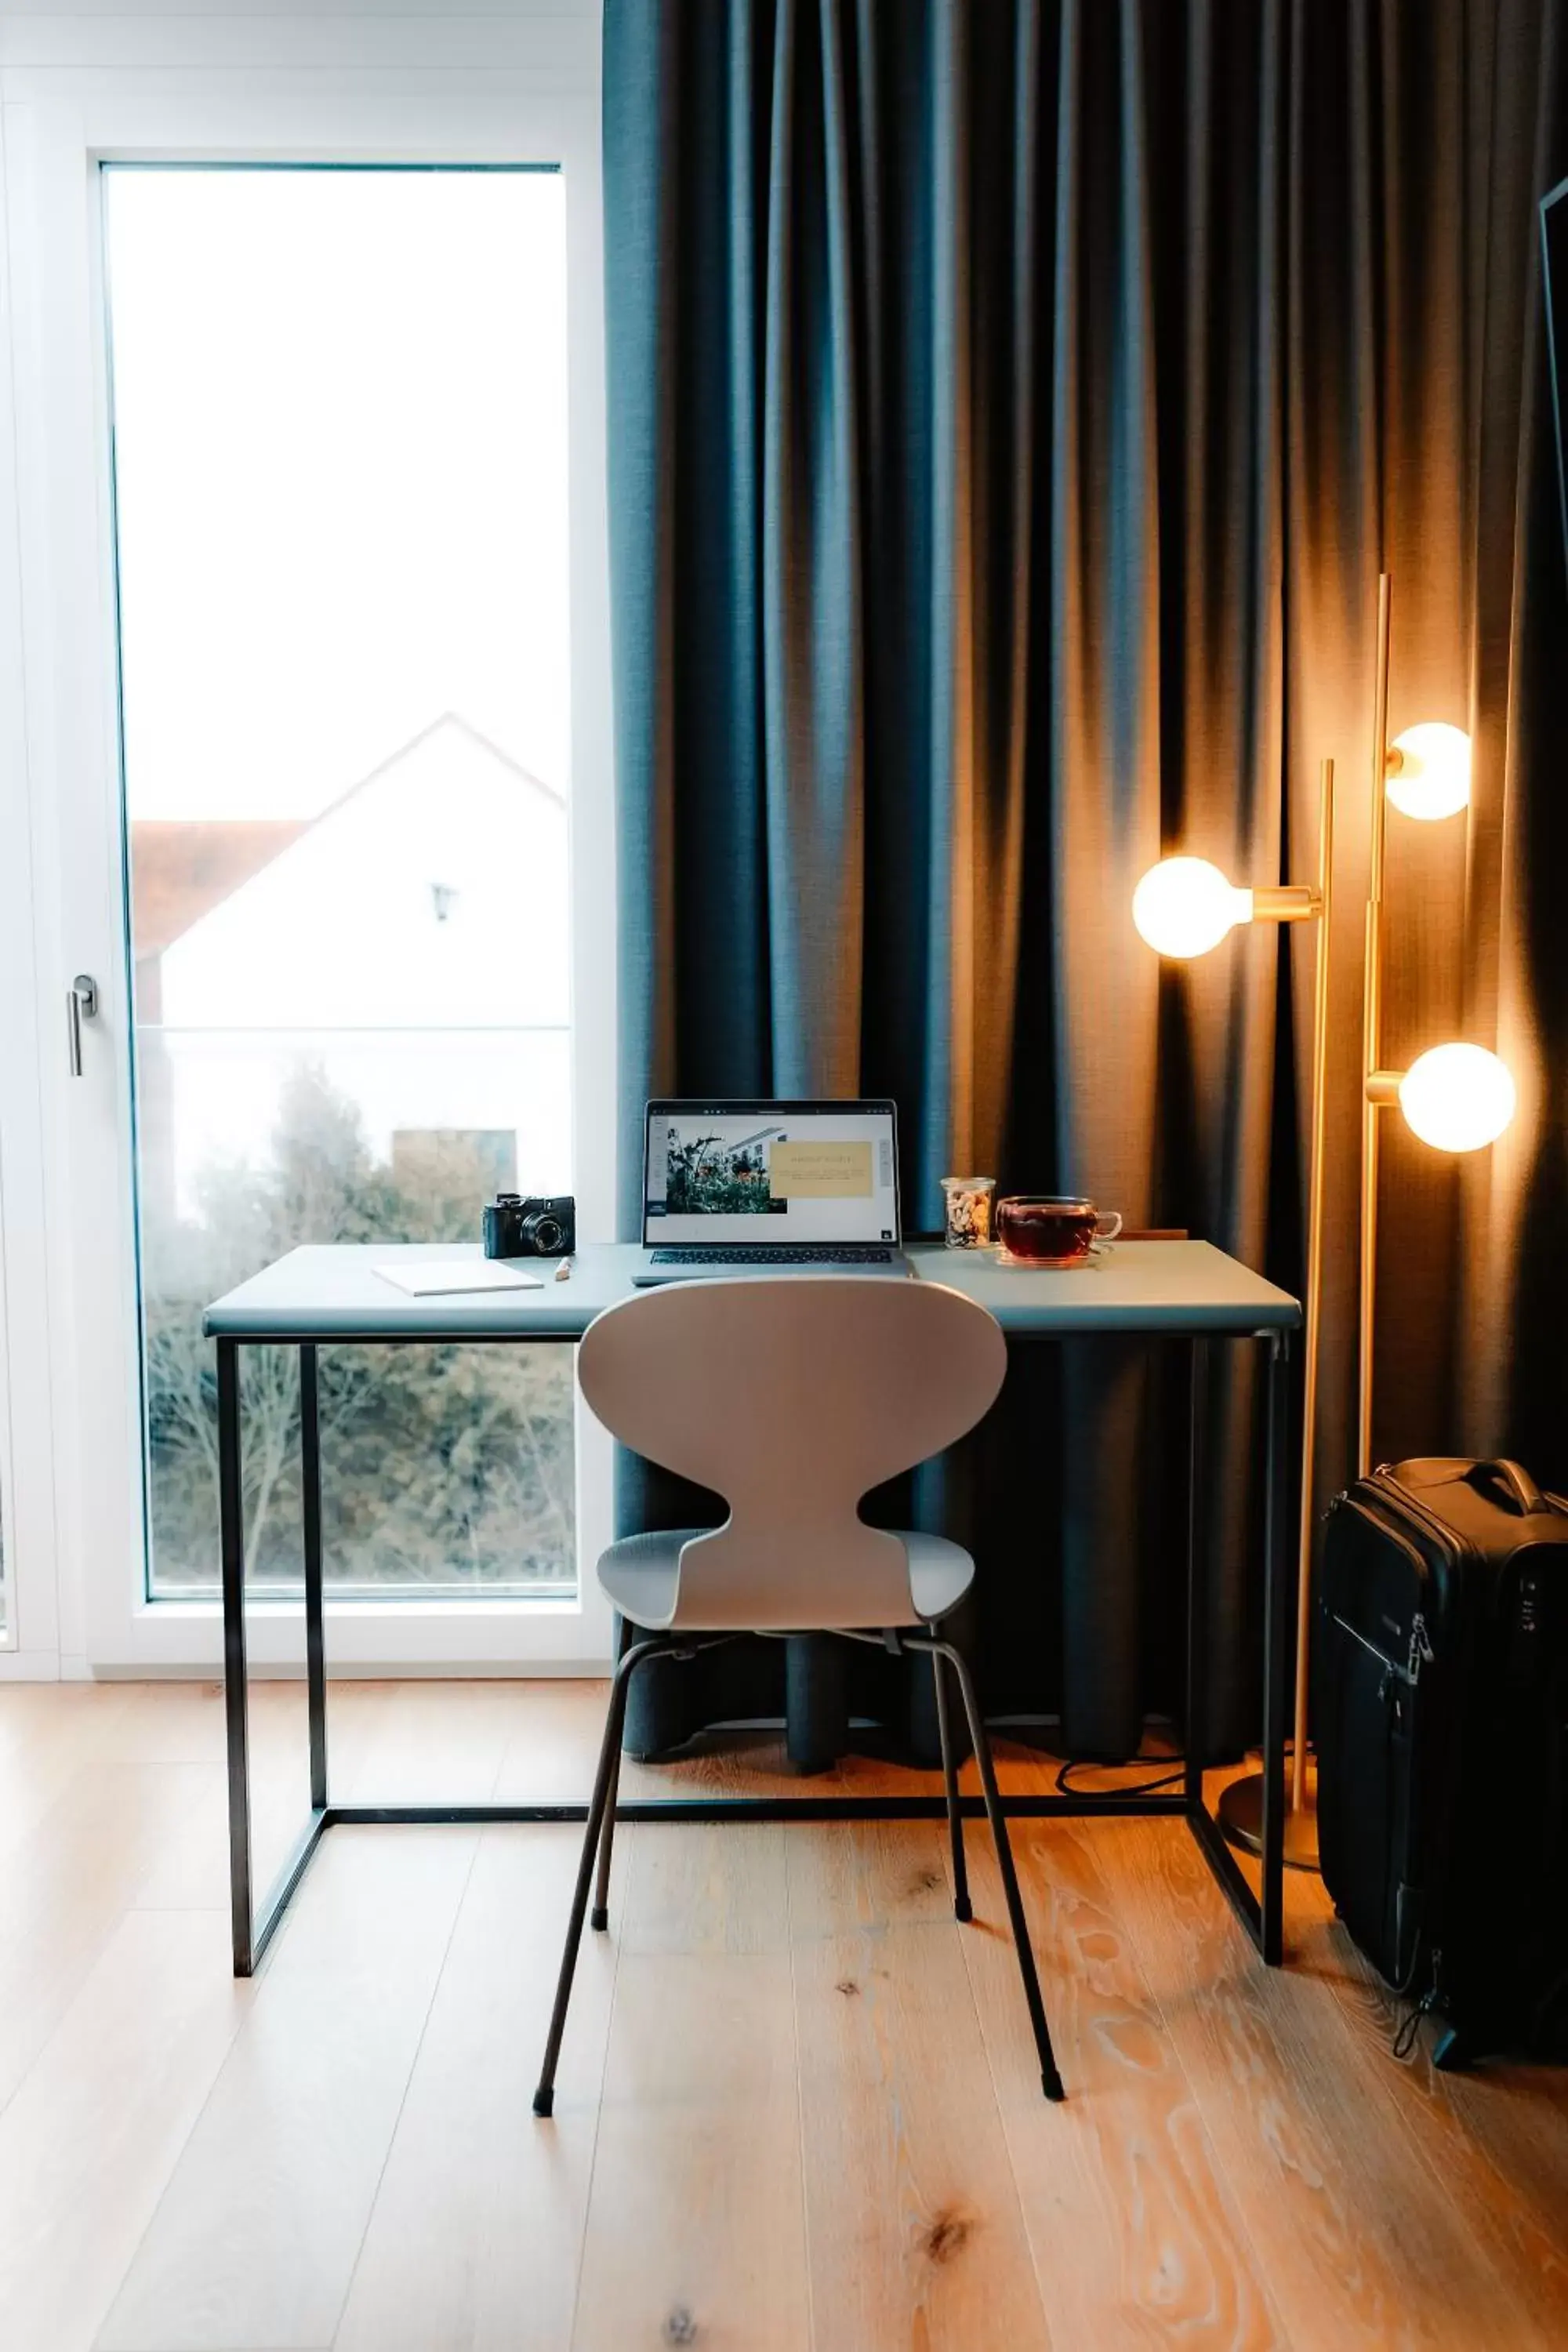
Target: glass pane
x=340, y=447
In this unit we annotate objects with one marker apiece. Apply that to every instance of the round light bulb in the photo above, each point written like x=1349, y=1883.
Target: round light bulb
x=1185, y=906
x=1457, y=1098
x=1432, y=778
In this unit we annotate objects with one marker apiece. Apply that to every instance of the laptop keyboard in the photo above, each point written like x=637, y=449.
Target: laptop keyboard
x=782, y=1253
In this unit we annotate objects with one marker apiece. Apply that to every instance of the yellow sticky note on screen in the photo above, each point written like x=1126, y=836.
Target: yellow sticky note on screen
x=820, y=1171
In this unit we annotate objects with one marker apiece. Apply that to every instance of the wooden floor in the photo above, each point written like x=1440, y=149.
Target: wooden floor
x=798, y=2106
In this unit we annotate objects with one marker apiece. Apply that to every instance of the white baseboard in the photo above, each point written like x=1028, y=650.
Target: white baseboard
x=29, y=1666
x=444, y=1670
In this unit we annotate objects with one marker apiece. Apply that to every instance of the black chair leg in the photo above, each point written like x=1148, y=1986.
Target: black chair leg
x=599, y=1917
x=1050, y=2080
x=603, y=1784
x=962, y=1905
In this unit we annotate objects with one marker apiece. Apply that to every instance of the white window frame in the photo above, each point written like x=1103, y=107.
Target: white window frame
x=216, y=87
x=30, y=1643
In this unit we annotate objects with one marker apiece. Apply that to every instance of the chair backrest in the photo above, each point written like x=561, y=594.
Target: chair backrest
x=792, y=1398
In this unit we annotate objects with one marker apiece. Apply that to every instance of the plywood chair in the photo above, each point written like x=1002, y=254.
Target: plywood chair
x=792, y=1398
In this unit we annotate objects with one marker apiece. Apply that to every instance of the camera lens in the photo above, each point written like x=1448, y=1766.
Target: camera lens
x=545, y=1234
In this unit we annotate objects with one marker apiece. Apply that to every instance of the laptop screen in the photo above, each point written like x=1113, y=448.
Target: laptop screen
x=770, y=1172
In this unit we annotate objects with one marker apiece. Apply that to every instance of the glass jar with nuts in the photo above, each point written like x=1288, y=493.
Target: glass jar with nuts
x=967, y=1223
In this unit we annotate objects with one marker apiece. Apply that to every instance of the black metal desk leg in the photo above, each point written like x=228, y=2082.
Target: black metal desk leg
x=310, y=1511
x=231, y=1522
x=1278, y=1615
x=1194, y=1725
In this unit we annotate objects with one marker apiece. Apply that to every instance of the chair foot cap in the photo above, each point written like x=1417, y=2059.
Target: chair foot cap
x=963, y=1908
x=598, y=1918
x=1051, y=2084
x=544, y=2101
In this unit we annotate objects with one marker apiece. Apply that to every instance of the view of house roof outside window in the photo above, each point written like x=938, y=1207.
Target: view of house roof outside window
x=339, y=422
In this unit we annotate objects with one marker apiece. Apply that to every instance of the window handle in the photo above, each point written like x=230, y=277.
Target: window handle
x=81, y=1004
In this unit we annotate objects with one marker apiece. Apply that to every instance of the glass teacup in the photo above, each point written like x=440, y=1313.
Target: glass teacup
x=1052, y=1229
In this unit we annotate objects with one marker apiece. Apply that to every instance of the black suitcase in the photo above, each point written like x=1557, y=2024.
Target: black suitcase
x=1442, y=1724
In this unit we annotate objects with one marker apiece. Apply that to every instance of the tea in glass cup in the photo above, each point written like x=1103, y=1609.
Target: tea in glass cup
x=1049, y=1229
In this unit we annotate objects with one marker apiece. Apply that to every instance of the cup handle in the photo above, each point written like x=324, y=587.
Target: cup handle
x=1106, y=1228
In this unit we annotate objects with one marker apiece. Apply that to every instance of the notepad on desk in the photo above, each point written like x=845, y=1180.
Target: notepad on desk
x=432, y=1278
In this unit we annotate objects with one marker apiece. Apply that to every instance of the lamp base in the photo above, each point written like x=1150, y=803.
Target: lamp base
x=1240, y=1810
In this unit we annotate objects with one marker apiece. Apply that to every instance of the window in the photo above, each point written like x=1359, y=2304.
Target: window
x=339, y=408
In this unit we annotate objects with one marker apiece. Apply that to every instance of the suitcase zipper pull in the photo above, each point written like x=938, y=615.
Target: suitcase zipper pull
x=1405, y=2039
x=1420, y=1648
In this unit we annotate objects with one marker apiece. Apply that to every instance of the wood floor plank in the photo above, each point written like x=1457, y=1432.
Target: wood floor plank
x=1496, y=2140
x=256, y=2238
x=1361, y=2245
x=744, y=2153
x=185, y=1723
x=695, y=2230
x=47, y=1732
x=915, y=2231
x=190, y=1868
x=706, y=1886
x=67, y=1886
x=99, y=2120
x=1136, y=2238
x=553, y=1746
x=477, y=2228
x=429, y=1743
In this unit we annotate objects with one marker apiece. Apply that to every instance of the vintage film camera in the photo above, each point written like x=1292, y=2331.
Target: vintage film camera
x=519, y=1227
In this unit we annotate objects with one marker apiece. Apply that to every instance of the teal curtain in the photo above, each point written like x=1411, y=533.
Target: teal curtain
x=1012, y=403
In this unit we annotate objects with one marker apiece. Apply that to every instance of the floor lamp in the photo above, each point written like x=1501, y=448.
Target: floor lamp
x=1183, y=908
x=1454, y=1098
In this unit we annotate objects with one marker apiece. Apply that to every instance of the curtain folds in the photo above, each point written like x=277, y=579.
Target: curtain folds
x=1012, y=403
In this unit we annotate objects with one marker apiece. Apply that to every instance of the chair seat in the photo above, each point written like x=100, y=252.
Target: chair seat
x=640, y=1574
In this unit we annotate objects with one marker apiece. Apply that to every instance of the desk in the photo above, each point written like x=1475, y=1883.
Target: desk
x=1182, y=1291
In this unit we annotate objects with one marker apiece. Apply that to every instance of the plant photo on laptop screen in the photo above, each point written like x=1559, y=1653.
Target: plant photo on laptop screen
x=712, y=1175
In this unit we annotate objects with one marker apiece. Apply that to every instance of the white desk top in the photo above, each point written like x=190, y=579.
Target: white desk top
x=1183, y=1287
x=329, y=1292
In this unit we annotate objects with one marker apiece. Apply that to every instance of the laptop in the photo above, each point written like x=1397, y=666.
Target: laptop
x=749, y=1188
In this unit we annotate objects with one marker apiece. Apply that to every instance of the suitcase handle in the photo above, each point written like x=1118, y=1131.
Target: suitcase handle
x=1520, y=1491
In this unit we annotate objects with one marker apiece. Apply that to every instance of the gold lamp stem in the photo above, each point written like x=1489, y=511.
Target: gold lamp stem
x=1371, y=1036
x=1292, y=902
x=1241, y=1803
x=1313, y=1304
